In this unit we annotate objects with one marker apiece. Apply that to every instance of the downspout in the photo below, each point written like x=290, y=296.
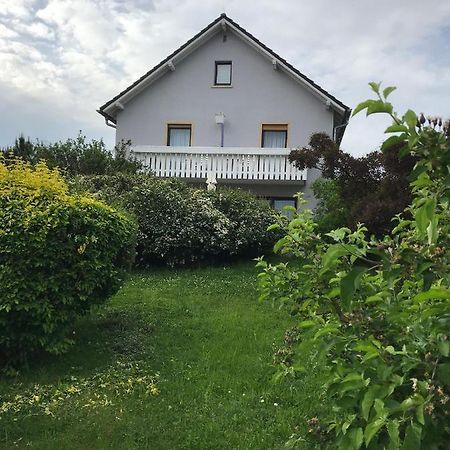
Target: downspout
x=338, y=126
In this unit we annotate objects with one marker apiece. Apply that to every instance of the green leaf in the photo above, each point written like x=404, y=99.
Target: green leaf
x=388, y=90
x=432, y=294
x=367, y=401
x=378, y=106
x=349, y=284
x=425, y=214
x=392, y=429
x=396, y=128
x=307, y=324
x=419, y=414
x=329, y=329
x=412, y=437
x=410, y=118
x=280, y=244
x=347, y=423
x=274, y=226
x=443, y=373
x=372, y=429
x=390, y=141
x=335, y=292
x=353, y=377
x=432, y=230
x=378, y=404
x=361, y=107
x=355, y=437
x=375, y=86
x=444, y=348
x=411, y=402
x=370, y=355
x=374, y=299
x=332, y=254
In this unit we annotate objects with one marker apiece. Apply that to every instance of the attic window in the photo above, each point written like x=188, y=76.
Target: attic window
x=222, y=75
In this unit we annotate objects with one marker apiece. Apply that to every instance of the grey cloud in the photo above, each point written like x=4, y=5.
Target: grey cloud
x=83, y=52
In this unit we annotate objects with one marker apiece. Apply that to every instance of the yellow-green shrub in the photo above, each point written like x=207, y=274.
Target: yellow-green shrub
x=59, y=255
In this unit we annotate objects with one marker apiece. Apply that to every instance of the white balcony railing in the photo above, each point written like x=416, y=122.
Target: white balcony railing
x=238, y=163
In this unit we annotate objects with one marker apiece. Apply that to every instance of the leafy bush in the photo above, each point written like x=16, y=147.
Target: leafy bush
x=179, y=224
x=77, y=156
x=369, y=189
x=59, y=255
x=331, y=211
x=249, y=218
x=377, y=312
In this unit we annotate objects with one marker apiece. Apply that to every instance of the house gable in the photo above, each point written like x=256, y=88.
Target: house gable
x=259, y=95
x=223, y=29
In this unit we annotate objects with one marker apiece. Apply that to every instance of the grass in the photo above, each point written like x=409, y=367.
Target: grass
x=200, y=337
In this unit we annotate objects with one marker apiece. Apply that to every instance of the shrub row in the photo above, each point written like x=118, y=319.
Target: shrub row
x=59, y=254
x=76, y=156
x=179, y=224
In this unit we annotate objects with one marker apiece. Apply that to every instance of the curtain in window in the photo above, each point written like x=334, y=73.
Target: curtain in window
x=275, y=139
x=179, y=137
x=223, y=74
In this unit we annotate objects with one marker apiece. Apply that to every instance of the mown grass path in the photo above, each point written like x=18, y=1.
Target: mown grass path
x=211, y=341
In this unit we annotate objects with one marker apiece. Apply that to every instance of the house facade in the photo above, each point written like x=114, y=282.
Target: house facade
x=224, y=109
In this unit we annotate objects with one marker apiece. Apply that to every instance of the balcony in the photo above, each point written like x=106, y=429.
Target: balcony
x=247, y=164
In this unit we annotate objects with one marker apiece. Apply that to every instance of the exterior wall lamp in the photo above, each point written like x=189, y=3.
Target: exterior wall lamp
x=220, y=120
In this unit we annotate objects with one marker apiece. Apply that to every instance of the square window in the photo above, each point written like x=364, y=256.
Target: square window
x=223, y=73
x=274, y=136
x=280, y=203
x=179, y=135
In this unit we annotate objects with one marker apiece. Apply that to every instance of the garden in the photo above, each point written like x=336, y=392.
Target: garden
x=129, y=312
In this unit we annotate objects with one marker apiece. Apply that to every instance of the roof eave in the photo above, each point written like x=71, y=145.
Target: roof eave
x=107, y=116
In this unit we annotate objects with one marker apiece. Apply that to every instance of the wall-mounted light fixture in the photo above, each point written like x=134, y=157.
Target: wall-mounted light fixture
x=220, y=120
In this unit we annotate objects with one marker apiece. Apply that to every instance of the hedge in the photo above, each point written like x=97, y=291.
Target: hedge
x=179, y=224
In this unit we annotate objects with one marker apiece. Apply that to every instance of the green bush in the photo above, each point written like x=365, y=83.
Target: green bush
x=179, y=224
x=376, y=312
x=77, y=156
x=249, y=218
x=331, y=211
x=59, y=255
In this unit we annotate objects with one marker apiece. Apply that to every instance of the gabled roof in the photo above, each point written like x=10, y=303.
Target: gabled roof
x=110, y=108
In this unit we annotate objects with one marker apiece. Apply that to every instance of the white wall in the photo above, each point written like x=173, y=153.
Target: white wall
x=259, y=95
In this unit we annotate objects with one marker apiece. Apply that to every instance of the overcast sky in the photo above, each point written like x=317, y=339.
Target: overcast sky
x=61, y=59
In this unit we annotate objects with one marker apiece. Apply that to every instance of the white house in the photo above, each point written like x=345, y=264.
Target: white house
x=226, y=109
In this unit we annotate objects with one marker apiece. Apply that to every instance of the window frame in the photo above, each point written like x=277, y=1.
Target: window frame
x=290, y=199
x=223, y=63
x=280, y=127
x=178, y=126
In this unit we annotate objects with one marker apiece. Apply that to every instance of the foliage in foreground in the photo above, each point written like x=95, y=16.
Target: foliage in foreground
x=179, y=224
x=369, y=189
x=378, y=311
x=76, y=156
x=59, y=255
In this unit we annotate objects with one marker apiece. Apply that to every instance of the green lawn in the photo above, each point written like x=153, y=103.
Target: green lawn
x=211, y=342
